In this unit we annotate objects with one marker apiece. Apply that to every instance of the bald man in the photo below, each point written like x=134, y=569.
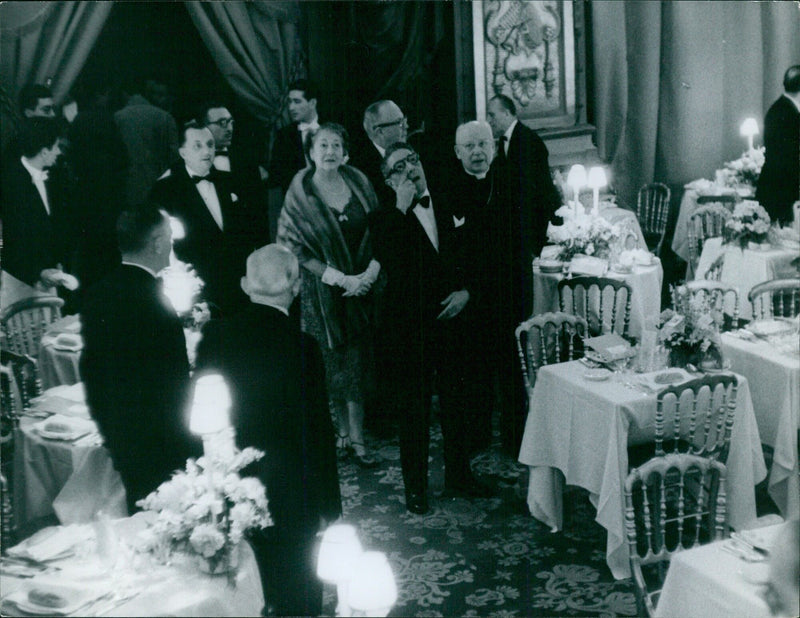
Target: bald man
x=279, y=405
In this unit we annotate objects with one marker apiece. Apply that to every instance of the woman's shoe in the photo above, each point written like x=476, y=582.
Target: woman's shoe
x=365, y=461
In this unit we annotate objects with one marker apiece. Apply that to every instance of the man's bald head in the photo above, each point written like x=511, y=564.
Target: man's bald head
x=273, y=274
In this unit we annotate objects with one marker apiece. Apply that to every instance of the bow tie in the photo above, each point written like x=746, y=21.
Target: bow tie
x=305, y=126
x=197, y=179
x=424, y=201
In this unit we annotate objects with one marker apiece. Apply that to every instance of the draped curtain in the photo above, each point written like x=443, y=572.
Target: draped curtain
x=256, y=48
x=674, y=80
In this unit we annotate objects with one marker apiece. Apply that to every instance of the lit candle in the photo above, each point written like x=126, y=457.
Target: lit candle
x=748, y=129
x=576, y=179
x=209, y=417
x=596, y=180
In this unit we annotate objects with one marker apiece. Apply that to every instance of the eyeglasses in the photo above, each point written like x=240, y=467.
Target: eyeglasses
x=223, y=122
x=385, y=125
x=400, y=166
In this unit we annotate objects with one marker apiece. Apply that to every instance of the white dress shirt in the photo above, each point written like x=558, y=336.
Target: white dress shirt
x=209, y=194
x=38, y=177
x=427, y=219
x=507, y=135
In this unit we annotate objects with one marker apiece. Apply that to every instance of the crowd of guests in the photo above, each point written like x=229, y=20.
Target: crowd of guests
x=411, y=275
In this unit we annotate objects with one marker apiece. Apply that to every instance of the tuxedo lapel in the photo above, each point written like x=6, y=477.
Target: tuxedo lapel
x=196, y=207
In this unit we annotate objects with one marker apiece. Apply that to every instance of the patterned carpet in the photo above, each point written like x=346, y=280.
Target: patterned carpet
x=485, y=557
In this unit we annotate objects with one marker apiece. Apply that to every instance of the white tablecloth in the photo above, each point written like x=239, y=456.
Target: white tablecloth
x=746, y=268
x=56, y=366
x=774, y=379
x=708, y=582
x=582, y=429
x=645, y=282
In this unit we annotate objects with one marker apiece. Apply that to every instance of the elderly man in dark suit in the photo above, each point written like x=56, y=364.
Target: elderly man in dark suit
x=134, y=364
x=279, y=405
x=415, y=240
x=218, y=230
x=779, y=182
x=527, y=201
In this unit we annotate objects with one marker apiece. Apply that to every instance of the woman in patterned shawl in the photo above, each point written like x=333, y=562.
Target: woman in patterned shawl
x=324, y=222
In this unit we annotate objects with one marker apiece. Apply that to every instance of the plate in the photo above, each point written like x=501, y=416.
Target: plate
x=550, y=266
x=768, y=328
x=51, y=598
x=668, y=377
x=597, y=375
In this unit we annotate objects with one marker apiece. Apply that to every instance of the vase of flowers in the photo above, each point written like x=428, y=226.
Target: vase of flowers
x=690, y=331
x=744, y=171
x=206, y=510
x=749, y=223
x=582, y=233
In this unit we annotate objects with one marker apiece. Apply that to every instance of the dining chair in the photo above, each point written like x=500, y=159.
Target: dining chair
x=775, y=298
x=548, y=338
x=7, y=527
x=652, y=210
x=667, y=510
x=25, y=322
x=715, y=294
x=714, y=272
x=603, y=302
x=704, y=223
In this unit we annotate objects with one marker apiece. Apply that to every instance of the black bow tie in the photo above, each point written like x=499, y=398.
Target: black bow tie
x=196, y=179
x=424, y=201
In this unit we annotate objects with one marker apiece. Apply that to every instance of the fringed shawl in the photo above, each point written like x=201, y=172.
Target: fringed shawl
x=309, y=228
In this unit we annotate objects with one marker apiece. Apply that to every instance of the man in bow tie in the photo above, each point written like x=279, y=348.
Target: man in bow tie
x=288, y=156
x=218, y=235
x=426, y=295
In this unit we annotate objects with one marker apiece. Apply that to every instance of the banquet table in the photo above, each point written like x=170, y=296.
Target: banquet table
x=56, y=364
x=137, y=585
x=581, y=429
x=645, y=282
x=73, y=479
x=710, y=582
x=746, y=268
x=772, y=368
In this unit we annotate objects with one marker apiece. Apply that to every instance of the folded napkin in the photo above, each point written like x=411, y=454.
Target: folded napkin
x=69, y=342
x=53, y=542
x=74, y=392
x=69, y=324
x=610, y=347
x=64, y=427
x=587, y=265
x=657, y=380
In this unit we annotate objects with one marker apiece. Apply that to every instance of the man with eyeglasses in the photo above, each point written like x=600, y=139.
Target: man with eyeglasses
x=416, y=242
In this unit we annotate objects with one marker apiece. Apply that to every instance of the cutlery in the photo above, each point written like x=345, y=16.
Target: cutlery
x=759, y=550
x=742, y=554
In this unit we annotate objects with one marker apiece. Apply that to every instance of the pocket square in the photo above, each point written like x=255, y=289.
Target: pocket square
x=234, y=197
x=458, y=222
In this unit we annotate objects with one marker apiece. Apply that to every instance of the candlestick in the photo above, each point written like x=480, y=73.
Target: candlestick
x=596, y=180
x=576, y=179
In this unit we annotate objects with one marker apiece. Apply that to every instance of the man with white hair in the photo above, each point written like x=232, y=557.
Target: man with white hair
x=279, y=405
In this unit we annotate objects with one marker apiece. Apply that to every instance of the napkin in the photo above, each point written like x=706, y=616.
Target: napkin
x=70, y=427
x=52, y=542
x=587, y=265
x=610, y=347
x=74, y=392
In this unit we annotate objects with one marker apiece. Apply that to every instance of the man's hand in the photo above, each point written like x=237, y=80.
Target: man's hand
x=405, y=190
x=454, y=303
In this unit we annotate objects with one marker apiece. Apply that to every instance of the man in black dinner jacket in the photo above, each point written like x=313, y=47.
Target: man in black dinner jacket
x=134, y=363
x=416, y=242
x=279, y=405
x=218, y=228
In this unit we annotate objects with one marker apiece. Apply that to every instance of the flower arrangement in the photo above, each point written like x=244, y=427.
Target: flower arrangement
x=207, y=509
x=749, y=223
x=690, y=331
x=582, y=233
x=742, y=171
x=182, y=286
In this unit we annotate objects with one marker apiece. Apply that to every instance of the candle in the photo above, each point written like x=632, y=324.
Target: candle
x=596, y=180
x=576, y=179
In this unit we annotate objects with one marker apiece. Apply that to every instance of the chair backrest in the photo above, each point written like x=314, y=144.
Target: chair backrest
x=25, y=321
x=652, y=207
x=716, y=293
x=672, y=503
x=24, y=382
x=700, y=423
x=714, y=272
x=548, y=338
x=705, y=222
x=604, y=303
x=728, y=201
x=775, y=298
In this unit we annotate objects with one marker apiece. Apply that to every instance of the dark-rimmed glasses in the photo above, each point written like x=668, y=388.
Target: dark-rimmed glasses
x=385, y=125
x=223, y=122
x=400, y=166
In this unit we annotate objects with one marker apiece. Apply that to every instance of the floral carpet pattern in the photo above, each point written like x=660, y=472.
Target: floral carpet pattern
x=481, y=557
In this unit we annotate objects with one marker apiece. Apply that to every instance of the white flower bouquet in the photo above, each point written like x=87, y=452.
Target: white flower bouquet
x=206, y=510
x=742, y=171
x=749, y=223
x=582, y=233
x=690, y=331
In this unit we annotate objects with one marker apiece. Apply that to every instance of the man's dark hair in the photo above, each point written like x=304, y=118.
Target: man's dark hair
x=31, y=93
x=506, y=102
x=36, y=134
x=192, y=124
x=333, y=127
x=202, y=110
x=135, y=226
x=385, y=169
x=791, y=79
x=307, y=87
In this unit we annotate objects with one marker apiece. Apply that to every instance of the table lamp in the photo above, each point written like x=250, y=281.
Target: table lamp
x=209, y=416
x=596, y=180
x=576, y=179
x=339, y=551
x=748, y=129
x=372, y=590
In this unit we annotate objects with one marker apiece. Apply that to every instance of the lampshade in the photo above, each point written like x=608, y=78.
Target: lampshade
x=597, y=178
x=749, y=127
x=210, y=405
x=338, y=552
x=577, y=176
x=372, y=588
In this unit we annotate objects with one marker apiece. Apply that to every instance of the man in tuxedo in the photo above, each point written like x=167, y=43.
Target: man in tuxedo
x=415, y=241
x=36, y=101
x=527, y=201
x=218, y=235
x=779, y=182
x=288, y=156
x=134, y=363
x=280, y=405
x=36, y=229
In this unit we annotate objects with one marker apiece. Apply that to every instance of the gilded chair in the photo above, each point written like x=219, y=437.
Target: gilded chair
x=25, y=322
x=714, y=272
x=548, y=338
x=704, y=223
x=718, y=296
x=668, y=509
x=603, y=302
x=8, y=528
x=652, y=210
x=775, y=298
